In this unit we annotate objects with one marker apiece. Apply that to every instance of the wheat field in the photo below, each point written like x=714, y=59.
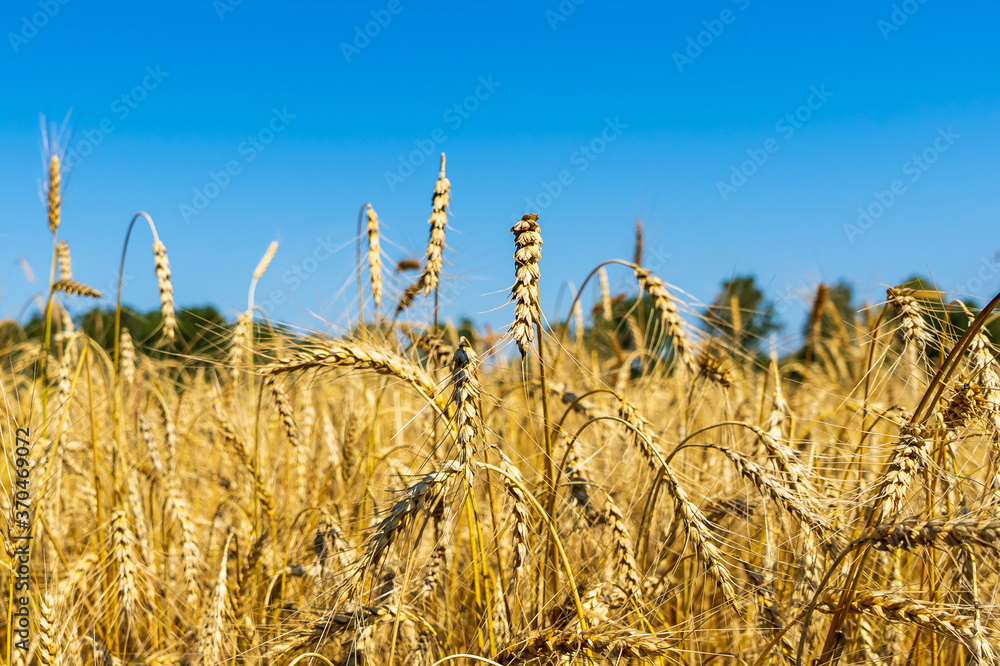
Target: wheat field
x=404, y=494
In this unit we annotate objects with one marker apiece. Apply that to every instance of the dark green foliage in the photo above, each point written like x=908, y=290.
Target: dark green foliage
x=202, y=332
x=740, y=315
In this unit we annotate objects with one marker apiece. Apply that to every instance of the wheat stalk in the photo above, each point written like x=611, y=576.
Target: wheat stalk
x=53, y=196
x=913, y=324
x=343, y=354
x=438, y=222
x=75, y=289
x=218, y=614
x=284, y=411
x=465, y=396
x=521, y=532
x=768, y=486
x=265, y=260
x=619, y=646
x=899, y=608
x=605, y=294
x=65, y=265
x=527, y=252
x=127, y=359
x=374, y=257
x=954, y=532
x=695, y=524
x=48, y=653
x=426, y=493
x=908, y=458
x=166, y=287
x=624, y=558
x=672, y=323
x=123, y=544
x=239, y=448
x=637, y=255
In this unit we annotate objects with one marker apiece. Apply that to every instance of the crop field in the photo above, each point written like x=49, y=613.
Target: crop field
x=636, y=479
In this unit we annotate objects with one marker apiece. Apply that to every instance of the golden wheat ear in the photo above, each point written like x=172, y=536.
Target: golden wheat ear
x=374, y=256
x=669, y=316
x=527, y=253
x=127, y=357
x=75, y=289
x=605, y=295
x=54, y=199
x=258, y=272
x=65, y=266
x=163, y=281
x=438, y=221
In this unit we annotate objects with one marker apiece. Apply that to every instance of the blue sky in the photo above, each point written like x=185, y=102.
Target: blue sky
x=745, y=134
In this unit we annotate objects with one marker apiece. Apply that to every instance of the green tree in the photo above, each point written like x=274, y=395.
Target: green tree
x=202, y=332
x=740, y=314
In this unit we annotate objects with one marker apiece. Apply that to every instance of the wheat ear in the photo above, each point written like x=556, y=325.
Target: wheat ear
x=625, y=565
x=374, y=257
x=770, y=487
x=342, y=354
x=237, y=353
x=53, y=196
x=65, y=265
x=665, y=305
x=438, y=222
x=284, y=408
x=240, y=449
x=621, y=646
x=465, y=395
x=426, y=493
x=605, y=294
x=218, y=612
x=123, y=544
x=166, y=287
x=898, y=608
x=908, y=458
x=127, y=359
x=695, y=524
x=527, y=253
x=48, y=649
x=75, y=289
x=521, y=532
x=954, y=532
x=913, y=324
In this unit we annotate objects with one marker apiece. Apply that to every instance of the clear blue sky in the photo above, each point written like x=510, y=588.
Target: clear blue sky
x=170, y=93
